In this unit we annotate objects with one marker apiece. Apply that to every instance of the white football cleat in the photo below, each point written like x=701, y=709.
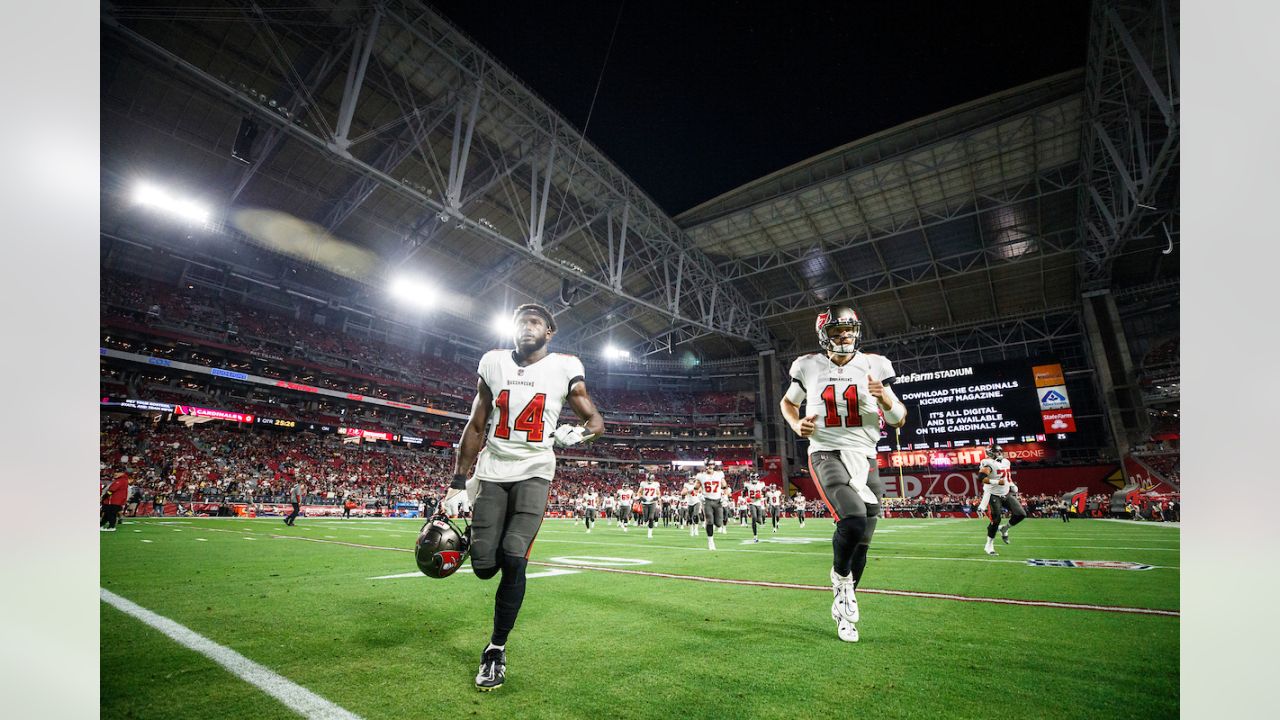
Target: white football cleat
x=846, y=631
x=756, y=539
x=991, y=547
x=650, y=532
x=845, y=604
x=711, y=543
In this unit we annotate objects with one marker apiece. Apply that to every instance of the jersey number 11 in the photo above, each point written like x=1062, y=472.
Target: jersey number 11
x=853, y=419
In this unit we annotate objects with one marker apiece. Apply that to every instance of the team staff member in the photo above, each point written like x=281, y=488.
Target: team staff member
x=114, y=497
x=845, y=391
x=295, y=499
x=523, y=391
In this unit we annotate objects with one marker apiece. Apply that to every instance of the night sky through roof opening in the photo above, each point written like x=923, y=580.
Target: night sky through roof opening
x=700, y=98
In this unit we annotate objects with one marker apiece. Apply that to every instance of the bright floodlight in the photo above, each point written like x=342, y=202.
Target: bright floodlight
x=614, y=352
x=501, y=325
x=154, y=197
x=414, y=292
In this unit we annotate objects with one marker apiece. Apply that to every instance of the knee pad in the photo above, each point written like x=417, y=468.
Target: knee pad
x=852, y=528
x=485, y=573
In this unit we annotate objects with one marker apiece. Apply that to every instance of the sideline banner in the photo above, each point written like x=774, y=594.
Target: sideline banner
x=1030, y=481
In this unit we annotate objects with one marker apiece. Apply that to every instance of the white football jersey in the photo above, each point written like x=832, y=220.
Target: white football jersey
x=828, y=390
x=754, y=492
x=774, y=497
x=625, y=495
x=712, y=484
x=608, y=501
x=649, y=491
x=799, y=499
x=591, y=501
x=526, y=407
x=996, y=471
x=690, y=493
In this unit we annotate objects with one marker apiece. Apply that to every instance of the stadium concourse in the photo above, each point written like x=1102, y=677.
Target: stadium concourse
x=351, y=263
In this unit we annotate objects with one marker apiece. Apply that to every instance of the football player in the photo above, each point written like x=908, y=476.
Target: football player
x=753, y=496
x=998, y=494
x=522, y=390
x=711, y=481
x=590, y=505
x=649, y=492
x=800, y=507
x=606, y=508
x=774, y=500
x=691, y=494
x=625, y=493
x=845, y=392
x=666, y=509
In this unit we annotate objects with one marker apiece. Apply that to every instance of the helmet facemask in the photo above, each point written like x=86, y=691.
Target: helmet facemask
x=832, y=323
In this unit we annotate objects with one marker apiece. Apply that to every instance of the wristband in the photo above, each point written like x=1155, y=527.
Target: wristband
x=459, y=482
x=895, y=414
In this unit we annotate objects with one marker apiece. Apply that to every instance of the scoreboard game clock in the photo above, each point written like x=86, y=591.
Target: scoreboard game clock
x=1011, y=401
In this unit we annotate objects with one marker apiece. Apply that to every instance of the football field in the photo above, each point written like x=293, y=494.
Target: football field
x=331, y=618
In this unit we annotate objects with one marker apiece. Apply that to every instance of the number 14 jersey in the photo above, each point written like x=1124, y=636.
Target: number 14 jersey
x=526, y=407
x=848, y=416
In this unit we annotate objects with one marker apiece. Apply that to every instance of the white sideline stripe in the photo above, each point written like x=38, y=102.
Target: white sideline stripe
x=292, y=695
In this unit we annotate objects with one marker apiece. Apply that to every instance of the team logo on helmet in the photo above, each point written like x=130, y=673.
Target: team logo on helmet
x=995, y=451
x=440, y=548
x=838, y=317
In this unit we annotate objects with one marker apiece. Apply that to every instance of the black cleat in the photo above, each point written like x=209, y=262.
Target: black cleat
x=493, y=670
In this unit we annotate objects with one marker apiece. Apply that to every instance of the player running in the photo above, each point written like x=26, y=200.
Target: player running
x=691, y=492
x=711, y=481
x=649, y=497
x=590, y=508
x=522, y=391
x=773, y=498
x=800, y=507
x=998, y=494
x=753, y=498
x=625, y=494
x=844, y=391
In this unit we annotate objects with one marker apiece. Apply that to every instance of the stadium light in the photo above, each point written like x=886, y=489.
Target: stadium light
x=151, y=196
x=414, y=292
x=501, y=325
x=614, y=352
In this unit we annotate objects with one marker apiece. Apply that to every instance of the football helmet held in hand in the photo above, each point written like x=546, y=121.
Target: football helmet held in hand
x=567, y=435
x=441, y=548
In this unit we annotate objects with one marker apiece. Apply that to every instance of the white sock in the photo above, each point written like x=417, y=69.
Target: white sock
x=495, y=647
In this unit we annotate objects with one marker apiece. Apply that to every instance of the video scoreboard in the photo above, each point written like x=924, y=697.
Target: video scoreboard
x=1011, y=401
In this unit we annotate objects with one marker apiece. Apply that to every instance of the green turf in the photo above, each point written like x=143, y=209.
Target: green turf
x=595, y=644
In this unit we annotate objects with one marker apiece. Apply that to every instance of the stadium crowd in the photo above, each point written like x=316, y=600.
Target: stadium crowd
x=135, y=303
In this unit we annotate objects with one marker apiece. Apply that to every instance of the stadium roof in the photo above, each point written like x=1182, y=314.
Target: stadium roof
x=386, y=128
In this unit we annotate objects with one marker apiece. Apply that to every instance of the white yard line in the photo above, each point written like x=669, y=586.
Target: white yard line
x=292, y=695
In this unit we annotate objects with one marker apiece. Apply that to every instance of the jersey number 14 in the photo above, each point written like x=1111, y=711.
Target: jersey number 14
x=528, y=421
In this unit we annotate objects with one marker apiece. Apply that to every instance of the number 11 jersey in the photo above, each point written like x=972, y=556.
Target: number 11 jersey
x=526, y=408
x=848, y=416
